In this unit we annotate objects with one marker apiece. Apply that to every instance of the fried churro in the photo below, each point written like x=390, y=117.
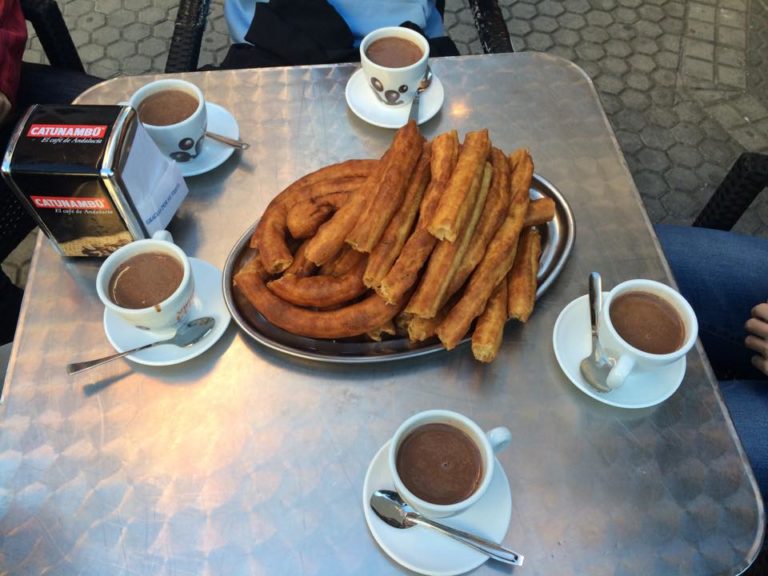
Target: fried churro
x=540, y=211
x=522, y=276
x=432, y=291
x=448, y=218
x=489, y=329
x=353, y=320
x=423, y=242
x=498, y=257
x=399, y=228
x=404, y=272
x=382, y=203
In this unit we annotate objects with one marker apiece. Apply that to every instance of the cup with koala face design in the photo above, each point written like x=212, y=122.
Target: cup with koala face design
x=394, y=61
x=173, y=112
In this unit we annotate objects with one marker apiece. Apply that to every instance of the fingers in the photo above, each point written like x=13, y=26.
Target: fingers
x=757, y=340
x=757, y=327
x=761, y=363
x=759, y=345
x=760, y=311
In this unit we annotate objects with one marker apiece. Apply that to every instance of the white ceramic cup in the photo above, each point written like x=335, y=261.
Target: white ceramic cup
x=489, y=443
x=394, y=86
x=184, y=140
x=627, y=357
x=164, y=317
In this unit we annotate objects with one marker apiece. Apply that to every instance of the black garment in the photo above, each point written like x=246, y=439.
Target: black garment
x=10, y=304
x=40, y=84
x=301, y=32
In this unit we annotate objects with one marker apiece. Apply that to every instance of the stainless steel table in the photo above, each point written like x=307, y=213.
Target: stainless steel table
x=246, y=461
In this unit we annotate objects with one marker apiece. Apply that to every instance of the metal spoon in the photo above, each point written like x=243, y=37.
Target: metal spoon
x=394, y=511
x=423, y=85
x=229, y=141
x=188, y=334
x=597, y=365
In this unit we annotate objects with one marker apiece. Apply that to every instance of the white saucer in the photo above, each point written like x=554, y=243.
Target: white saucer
x=363, y=102
x=214, y=153
x=208, y=301
x=425, y=551
x=572, y=340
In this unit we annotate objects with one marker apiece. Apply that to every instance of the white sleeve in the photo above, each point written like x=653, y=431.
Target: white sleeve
x=239, y=15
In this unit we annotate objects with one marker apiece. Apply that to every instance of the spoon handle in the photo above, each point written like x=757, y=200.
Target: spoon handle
x=76, y=367
x=595, y=299
x=414, y=112
x=423, y=85
x=229, y=141
x=480, y=544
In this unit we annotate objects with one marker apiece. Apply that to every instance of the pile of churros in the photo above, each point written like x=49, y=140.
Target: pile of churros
x=433, y=239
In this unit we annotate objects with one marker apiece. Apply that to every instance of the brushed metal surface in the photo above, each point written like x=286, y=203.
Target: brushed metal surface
x=246, y=461
x=558, y=237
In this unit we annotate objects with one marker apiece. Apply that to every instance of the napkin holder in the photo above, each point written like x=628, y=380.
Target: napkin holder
x=91, y=177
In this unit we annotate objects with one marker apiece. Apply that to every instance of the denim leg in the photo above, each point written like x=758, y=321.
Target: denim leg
x=747, y=402
x=723, y=275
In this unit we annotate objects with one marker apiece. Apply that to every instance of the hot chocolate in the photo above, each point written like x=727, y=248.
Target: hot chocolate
x=647, y=322
x=145, y=280
x=393, y=52
x=167, y=107
x=440, y=463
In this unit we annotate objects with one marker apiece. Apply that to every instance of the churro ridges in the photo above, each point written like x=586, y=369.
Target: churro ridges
x=455, y=246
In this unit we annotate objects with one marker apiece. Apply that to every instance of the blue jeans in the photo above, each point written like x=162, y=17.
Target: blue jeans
x=724, y=275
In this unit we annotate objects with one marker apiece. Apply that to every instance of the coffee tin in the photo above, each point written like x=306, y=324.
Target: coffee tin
x=91, y=177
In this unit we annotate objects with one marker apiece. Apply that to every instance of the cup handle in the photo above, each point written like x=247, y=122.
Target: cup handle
x=163, y=235
x=620, y=371
x=499, y=438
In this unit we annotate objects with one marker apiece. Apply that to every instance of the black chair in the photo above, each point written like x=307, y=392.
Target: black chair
x=191, y=18
x=184, y=50
x=491, y=26
x=746, y=179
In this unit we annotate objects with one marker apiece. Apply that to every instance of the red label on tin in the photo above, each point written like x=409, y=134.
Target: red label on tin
x=66, y=131
x=69, y=203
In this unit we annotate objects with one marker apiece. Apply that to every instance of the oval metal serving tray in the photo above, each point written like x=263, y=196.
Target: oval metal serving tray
x=557, y=243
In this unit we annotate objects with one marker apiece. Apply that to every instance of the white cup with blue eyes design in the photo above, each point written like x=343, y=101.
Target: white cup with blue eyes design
x=173, y=113
x=394, y=61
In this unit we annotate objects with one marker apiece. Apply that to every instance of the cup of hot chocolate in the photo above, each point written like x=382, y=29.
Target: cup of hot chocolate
x=148, y=283
x=394, y=61
x=442, y=462
x=174, y=114
x=645, y=325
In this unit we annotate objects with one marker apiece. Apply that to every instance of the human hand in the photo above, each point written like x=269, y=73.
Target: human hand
x=757, y=340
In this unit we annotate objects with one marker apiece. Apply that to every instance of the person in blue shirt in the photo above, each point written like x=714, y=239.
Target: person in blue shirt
x=362, y=16
x=298, y=32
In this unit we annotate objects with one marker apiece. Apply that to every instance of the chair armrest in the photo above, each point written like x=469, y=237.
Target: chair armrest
x=491, y=27
x=745, y=180
x=52, y=31
x=184, y=50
